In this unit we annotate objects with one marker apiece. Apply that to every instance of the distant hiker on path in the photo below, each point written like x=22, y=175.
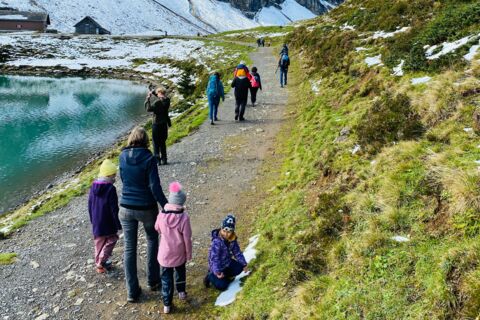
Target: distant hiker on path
x=215, y=92
x=283, y=64
x=284, y=50
x=256, y=83
x=241, y=84
x=161, y=121
x=173, y=224
x=103, y=211
x=262, y=42
x=259, y=42
x=141, y=194
x=225, y=259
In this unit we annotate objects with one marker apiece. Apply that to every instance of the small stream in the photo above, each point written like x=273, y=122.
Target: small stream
x=49, y=126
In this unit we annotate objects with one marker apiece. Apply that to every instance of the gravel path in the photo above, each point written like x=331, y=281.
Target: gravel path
x=54, y=276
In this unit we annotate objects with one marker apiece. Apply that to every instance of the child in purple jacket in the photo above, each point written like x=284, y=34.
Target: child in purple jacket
x=103, y=210
x=225, y=258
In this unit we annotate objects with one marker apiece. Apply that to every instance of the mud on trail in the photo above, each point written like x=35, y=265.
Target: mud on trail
x=54, y=276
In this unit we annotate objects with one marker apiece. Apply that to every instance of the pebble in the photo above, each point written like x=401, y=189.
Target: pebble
x=78, y=302
x=34, y=264
x=42, y=317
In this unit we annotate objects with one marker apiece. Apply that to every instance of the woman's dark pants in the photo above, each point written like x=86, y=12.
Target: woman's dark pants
x=129, y=219
x=253, y=94
x=159, y=137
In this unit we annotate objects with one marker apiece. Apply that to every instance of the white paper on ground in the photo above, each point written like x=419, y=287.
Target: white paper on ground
x=228, y=296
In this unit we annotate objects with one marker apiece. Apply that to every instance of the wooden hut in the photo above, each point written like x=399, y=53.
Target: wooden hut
x=89, y=26
x=13, y=20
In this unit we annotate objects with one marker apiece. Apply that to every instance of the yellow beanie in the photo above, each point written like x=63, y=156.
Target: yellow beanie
x=107, y=168
x=241, y=73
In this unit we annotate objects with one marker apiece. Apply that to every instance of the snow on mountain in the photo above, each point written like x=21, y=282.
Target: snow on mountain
x=150, y=16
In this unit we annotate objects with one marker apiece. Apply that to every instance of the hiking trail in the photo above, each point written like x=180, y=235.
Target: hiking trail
x=54, y=273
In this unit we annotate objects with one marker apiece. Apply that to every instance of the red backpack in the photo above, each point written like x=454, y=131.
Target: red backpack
x=254, y=82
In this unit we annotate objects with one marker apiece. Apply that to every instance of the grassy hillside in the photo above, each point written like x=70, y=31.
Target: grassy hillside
x=375, y=214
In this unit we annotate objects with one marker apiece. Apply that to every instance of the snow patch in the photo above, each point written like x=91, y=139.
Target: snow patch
x=383, y=34
x=359, y=49
x=400, y=239
x=347, y=27
x=372, y=61
x=14, y=17
x=228, y=296
x=315, y=85
x=356, y=149
x=447, y=47
x=472, y=52
x=398, y=70
x=421, y=80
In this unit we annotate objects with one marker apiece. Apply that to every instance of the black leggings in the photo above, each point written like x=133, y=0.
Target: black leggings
x=253, y=94
x=159, y=137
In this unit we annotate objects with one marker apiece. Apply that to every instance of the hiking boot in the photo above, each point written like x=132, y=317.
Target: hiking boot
x=206, y=281
x=107, y=265
x=155, y=287
x=216, y=119
x=164, y=162
x=242, y=119
x=236, y=118
x=212, y=123
x=136, y=298
x=167, y=309
x=182, y=296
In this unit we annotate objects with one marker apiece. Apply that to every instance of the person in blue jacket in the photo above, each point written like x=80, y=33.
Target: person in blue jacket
x=215, y=92
x=141, y=194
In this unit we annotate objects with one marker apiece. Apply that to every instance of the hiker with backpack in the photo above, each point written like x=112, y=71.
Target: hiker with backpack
x=215, y=92
x=256, y=83
x=242, y=84
x=284, y=50
x=283, y=64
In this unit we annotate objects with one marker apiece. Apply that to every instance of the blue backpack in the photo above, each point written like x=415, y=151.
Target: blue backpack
x=285, y=60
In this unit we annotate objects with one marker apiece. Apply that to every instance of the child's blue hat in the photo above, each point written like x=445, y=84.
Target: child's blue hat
x=228, y=223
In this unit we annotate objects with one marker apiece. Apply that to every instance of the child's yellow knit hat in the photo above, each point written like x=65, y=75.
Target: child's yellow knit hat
x=107, y=168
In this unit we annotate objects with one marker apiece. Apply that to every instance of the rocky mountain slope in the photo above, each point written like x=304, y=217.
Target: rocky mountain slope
x=174, y=17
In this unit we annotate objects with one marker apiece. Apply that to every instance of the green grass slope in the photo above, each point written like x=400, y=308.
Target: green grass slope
x=371, y=157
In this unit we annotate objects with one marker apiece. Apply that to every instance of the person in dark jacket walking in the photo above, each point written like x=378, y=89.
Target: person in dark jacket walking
x=103, y=212
x=141, y=194
x=225, y=259
x=241, y=84
x=283, y=64
x=161, y=121
x=284, y=50
x=256, y=83
x=215, y=92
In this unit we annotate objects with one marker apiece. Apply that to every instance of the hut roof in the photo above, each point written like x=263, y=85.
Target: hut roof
x=13, y=15
x=90, y=19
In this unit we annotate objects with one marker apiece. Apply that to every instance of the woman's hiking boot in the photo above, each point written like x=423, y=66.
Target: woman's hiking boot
x=136, y=298
x=212, y=123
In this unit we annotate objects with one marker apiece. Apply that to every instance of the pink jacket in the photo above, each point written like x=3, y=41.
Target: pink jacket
x=173, y=224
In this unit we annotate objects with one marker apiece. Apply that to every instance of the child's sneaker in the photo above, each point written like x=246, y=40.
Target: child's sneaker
x=182, y=296
x=101, y=269
x=166, y=309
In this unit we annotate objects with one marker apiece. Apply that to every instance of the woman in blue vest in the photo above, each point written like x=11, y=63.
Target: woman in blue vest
x=215, y=91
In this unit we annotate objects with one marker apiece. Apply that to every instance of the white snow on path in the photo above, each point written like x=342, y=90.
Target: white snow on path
x=447, y=47
x=227, y=297
x=372, y=61
x=421, y=80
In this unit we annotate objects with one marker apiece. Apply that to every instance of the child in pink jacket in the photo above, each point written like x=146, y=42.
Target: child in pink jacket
x=173, y=224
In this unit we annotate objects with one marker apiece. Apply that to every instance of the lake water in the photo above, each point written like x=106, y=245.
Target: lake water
x=49, y=126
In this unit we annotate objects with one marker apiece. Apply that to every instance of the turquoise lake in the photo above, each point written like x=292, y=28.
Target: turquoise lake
x=50, y=126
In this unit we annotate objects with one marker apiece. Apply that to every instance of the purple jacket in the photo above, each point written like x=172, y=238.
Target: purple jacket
x=221, y=253
x=103, y=208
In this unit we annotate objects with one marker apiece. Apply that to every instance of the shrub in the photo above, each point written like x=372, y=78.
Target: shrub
x=391, y=118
